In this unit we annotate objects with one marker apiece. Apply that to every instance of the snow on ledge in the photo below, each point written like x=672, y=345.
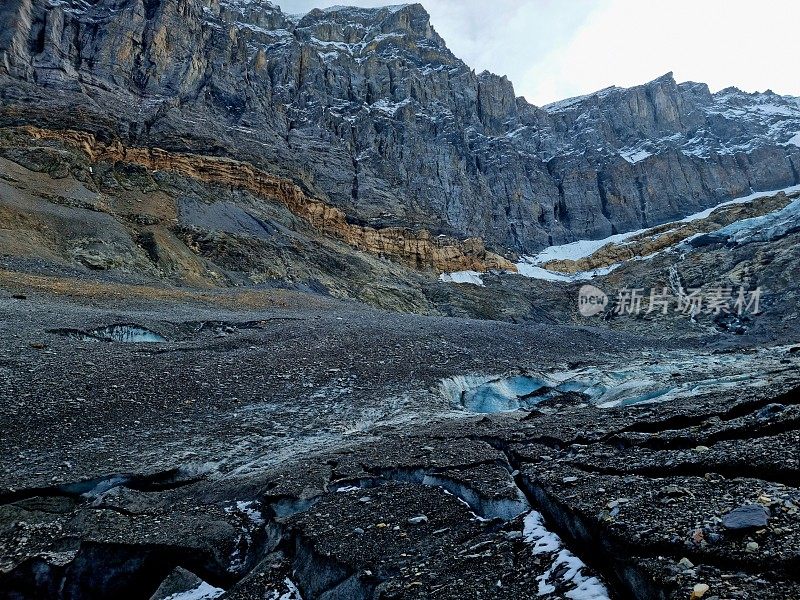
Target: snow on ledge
x=532, y=271
x=743, y=200
x=568, y=103
x=635, y=156
x=470, y=277
x=577, y=250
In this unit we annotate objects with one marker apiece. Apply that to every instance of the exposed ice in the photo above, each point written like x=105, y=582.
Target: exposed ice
x=480, y=507
x=475, y=515
x=503, y=395
x=251, y=520
x=760, y=229
x=510, y=393
x=246, y=508
x=127, y=334
x=102, y=485
x=505, y=509
x=661, y=378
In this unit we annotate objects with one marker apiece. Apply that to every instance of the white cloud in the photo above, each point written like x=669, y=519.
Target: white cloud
x=553, y=49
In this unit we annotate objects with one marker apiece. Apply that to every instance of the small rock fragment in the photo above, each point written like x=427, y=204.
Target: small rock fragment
x=770, y=410
x=749, y=516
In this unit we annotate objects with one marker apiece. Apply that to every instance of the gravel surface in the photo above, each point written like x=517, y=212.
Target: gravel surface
x=298, y=441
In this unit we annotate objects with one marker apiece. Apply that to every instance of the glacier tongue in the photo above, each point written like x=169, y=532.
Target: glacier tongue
x=778, y=224
x=758, y=229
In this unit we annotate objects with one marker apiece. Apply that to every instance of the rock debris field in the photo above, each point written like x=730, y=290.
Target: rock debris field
x=192, y=451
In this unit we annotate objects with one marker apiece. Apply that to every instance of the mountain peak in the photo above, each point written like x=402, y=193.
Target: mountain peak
x=665, y=78
x=401, y=13
x=356, y=25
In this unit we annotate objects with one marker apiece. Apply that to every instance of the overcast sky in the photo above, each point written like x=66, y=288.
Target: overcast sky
x=554, y=49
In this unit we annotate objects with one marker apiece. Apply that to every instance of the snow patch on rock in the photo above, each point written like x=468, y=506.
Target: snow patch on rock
x=794, y=141
x=205, y=591
x=569, y=567
x=635, y=155
x=579, y=249
x=468, y=277
x=292, y=592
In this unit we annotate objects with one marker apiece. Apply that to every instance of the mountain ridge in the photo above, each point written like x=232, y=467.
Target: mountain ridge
x=370, y=111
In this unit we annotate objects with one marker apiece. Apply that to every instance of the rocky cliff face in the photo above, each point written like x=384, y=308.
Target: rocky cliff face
x=368, y=111
x=419, y=250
